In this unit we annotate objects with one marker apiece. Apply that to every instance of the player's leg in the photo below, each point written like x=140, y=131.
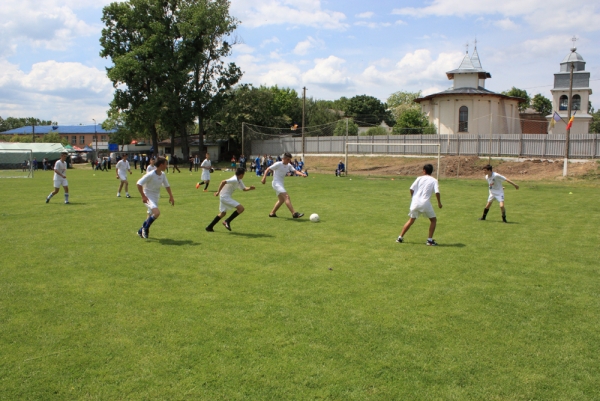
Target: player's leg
x=239, y=209
x=432, y=225
x=56, y=189
x=211, y=226
x=206, y=185
x=66, y=188
x=120, y=188
x=405, y=229
x=487, y=207
x=503, y=212
x=288, y=202
x=127, y=189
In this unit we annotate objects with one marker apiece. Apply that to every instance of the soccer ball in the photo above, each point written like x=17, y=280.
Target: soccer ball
x=314, y=218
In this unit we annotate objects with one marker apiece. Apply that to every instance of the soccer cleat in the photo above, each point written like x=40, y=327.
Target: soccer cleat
x=227, y=226
x=66, y=202
x=210, y=229
x=140, y=233
x=118, y=195
x=272, y=215
x=144, y=232
x=47, y=200
x=482, y=218
x=197, y=185
x=206, y=190
x=400, y=240
x=127, y=196
x=431, y=243
x=297, y=215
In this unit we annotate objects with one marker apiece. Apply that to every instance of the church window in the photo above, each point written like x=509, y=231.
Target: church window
x=563, y=103
x=463, y=119
x=576, y=102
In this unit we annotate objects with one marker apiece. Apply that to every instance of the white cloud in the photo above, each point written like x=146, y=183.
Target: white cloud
x=400, y=22
x=506, y=24
x=52, y=90
x=542, y=15
x=267, y=42
x=287, y=12
x=372, y=25
x=367, y=14
x=328, y=73
x=303, y=47
x=243, y=48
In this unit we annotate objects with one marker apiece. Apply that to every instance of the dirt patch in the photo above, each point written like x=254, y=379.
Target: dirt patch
x=455, y=166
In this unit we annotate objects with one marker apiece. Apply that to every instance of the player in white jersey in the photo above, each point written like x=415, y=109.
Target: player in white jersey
x=280, y=170
x=206, y=167
x=60, y=178
x=122, y=168
x=151, y=167
x=149, y=187
x=495, y=181
x=227, y=202
x=421, y=191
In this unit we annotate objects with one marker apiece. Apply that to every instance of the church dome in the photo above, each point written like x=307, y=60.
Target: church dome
x=573, y=56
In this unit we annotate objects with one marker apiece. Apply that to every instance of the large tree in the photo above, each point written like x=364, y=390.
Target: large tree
x=520, y=93
x=369, y=110
x=16, y=122
x=541, y=104
x=413, y=122
x=400, y=101
x=168, y=62
x=595, y=124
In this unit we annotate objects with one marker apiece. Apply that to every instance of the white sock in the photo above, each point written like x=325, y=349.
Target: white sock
x=66, y=197
x=429, y=239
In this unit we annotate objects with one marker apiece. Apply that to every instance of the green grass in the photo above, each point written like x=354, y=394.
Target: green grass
x=282, y=309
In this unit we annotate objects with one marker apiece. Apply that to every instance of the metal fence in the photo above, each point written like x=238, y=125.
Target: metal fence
x=525, y=145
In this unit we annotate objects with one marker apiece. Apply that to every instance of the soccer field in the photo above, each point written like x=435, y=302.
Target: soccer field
x=288, y=309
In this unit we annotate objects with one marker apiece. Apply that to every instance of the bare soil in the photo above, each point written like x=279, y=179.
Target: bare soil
x=456, y=166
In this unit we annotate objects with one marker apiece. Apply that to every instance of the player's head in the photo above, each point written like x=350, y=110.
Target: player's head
x=428, y=169
x=63, y=156
x=488, y=167
x=161, y=162
x=239, y=173
x=152, y=161
x=208, y=155
x=287, y=157
x=125, y=155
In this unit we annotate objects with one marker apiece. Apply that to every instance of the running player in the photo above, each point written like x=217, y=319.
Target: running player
x=206, y=167
x=280, y=169
x=60, y=178
x=227, y=202
x=149, y=187
x=122, y=169
x=495, y=181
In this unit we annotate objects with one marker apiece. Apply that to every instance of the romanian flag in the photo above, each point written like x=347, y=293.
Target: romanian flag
x=571, y=121
x=555, y=117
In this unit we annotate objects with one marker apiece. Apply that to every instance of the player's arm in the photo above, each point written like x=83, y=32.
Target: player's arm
x=412, y=192
x=512, y=183
x=267, y=171
x=221, y=185
x=58, y=172
x=171, y=199
x=250, y=188
x=141, y=189
x=299, y=173
x=437, y=195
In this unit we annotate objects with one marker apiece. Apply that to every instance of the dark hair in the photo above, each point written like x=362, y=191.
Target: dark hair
x=428, y=169
x=487, y=167
x=240, y=171
x=160, y=160
x=287, y=154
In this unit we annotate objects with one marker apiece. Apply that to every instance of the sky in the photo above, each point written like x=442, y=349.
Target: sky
x=50, y=66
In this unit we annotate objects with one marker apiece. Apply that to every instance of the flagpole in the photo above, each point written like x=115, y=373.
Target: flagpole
x=570, y=102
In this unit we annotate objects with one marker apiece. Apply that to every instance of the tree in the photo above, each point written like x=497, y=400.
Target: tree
x=54, y=137
x=521, y=93
x=369, y=110
x=340, y=128
x=413, y=122
x=400, y=101
x=16, y=122
x=321, y=112
x=374, y=131
x=595, y=124
x=541, y=104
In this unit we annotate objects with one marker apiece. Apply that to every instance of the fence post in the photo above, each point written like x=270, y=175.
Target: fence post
x=499, y=137
x=544, y=146
x=595, y=141
x=520, y=144
x=477, y=151
x=458, y=145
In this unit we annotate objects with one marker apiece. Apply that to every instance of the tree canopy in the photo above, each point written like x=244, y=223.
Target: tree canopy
x=400, y=101
x=522, y=93
x=541, y=104
x=413, y=122
x=17, y=122
x=368, y=109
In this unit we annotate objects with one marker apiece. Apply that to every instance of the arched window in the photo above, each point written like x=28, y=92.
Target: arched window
x=463, y=119
x=563, y=103
x=576, y=102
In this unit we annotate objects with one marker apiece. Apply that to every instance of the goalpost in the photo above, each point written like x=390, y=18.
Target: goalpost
x=16, y=163
x=357, y=144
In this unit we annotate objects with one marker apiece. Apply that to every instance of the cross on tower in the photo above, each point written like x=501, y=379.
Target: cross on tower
x=574, y=39
x=475, y=43
x=467, y=46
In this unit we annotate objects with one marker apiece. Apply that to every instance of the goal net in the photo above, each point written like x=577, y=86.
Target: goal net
x=355, y=148
x=16, y=163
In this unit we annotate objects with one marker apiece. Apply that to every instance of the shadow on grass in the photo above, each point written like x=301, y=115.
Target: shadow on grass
x=174, y=242
x=251, y=235
x=457, y=245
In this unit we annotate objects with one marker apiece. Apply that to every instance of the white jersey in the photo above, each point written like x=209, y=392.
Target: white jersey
x=123, y=167
x=152, y=183
x=495, y=183
x=206, y=163
x=61, y=167
x=280, y=170
x=150, y=168
x=423, y=188
x=232, y=184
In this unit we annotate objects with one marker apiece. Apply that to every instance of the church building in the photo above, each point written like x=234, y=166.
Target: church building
x=469, y=108
x=580, y=99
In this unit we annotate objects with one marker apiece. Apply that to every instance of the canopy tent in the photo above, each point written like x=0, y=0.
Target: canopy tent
x=88, y=149
x=50, y=151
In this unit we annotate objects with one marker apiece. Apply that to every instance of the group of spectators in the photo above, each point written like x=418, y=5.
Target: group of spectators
x=261, y=163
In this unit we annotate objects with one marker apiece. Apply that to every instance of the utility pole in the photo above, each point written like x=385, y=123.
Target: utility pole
x=244, y=153
x=95, y=136
x=33, y=129
x=567, y=140
x=303, y=112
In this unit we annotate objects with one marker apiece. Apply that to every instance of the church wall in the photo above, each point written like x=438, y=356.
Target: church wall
x=466, y=81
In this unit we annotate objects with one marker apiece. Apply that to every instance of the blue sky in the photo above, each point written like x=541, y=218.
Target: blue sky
x=50, y=67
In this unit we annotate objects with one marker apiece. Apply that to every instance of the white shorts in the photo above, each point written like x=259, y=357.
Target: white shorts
x=227, y=203
x=279, y=189
x=61, y=182
x=122, y=177
x=418, y=210
x=498, y=197
x=205, y=175
x=152, y=203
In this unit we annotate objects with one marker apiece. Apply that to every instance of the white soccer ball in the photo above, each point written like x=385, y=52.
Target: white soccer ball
x=314, y=217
